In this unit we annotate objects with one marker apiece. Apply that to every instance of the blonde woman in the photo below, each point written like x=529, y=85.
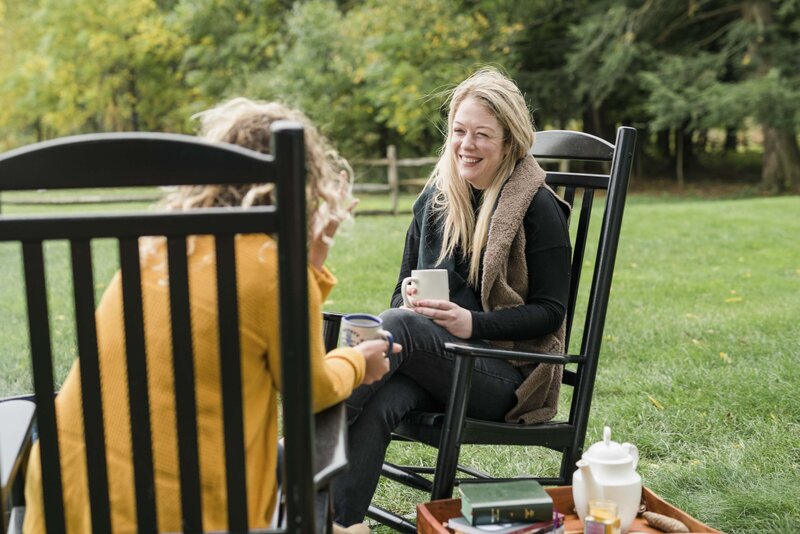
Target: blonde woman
x=334, y=375
x=486, y=216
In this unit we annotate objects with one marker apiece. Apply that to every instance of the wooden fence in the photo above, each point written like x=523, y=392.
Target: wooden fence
x=393, y=183
x=391, y=186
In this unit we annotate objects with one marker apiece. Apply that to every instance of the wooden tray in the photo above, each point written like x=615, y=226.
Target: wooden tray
x=432, y=516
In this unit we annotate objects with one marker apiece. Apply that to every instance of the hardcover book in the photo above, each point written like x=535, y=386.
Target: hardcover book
x=485, y=503
x=462, y=525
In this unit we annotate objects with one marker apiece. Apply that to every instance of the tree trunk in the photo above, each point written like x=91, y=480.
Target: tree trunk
x=134, y=90
x=596, y=122
x=689, y=156
x=780, y=171
x=731, y=142
x=39, y=129
x=663, y=144
x=679, y=163
x=639, y=153
x=702, y=142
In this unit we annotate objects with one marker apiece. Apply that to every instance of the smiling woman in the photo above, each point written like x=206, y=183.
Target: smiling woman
x=488, y=219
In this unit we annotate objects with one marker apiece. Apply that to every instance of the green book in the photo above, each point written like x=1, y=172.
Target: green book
x=485, y=503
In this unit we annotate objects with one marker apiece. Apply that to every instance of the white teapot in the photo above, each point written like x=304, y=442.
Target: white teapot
x=607, y=470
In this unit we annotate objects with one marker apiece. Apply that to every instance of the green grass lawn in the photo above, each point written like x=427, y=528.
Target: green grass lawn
x=699, y=366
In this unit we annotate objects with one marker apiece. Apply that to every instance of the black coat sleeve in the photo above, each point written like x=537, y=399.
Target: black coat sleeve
x=408, y=263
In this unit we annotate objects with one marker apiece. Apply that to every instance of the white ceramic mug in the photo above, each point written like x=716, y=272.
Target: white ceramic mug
x=358, y=327
x=431, y=284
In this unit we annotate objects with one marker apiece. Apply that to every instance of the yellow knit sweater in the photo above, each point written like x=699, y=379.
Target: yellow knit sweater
x=334, y=376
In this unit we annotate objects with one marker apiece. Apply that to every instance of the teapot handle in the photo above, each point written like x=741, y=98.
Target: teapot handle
x=634, y=452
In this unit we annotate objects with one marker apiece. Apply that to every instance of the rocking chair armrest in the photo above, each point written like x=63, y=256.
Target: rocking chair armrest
x=332, y=316
x=456, y=410
x=503, y=354
x=331, y=324
x=330, y=444
x=16, y=439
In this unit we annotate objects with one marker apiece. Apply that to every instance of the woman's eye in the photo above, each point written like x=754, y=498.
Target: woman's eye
x=458, y=131
x=481, y=134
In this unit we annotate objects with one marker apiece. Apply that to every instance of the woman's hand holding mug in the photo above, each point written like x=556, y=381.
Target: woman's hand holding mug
x=364, y=332
x=375, y=357
x=448, y=315
x=425, y=284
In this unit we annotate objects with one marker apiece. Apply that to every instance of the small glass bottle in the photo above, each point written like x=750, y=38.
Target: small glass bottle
x=602, y=518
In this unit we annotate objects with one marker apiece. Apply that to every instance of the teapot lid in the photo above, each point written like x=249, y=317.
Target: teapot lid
x=607, y=450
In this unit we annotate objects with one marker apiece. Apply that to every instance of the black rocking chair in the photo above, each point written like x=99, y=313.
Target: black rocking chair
x=449, y=430
x=149, y=159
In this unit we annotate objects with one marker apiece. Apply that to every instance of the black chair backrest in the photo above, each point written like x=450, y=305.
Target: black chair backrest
x=578, y=146
x=149, y=159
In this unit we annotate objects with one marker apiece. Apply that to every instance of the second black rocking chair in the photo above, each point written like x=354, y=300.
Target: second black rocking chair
x=591, y=247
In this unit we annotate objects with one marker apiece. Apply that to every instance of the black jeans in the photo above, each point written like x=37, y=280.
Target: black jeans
x=419, y=379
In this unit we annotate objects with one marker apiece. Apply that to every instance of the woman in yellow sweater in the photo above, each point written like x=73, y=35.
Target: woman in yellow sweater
x=334, y=375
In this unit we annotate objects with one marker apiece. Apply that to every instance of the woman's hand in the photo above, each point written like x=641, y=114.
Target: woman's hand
x=374, y=352
x=322, y=238
x=321, y=242
x=410, y=291
x=448, y=315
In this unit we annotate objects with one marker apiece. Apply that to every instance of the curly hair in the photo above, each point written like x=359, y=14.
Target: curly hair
x=245, y=122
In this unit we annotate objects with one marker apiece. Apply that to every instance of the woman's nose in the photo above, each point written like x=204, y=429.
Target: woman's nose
x=469, y=140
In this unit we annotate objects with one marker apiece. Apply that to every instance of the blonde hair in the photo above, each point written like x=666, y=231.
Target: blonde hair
x=247, y=123
x=452, y=200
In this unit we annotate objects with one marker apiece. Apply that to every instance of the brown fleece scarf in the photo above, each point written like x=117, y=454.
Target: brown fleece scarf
x=505, y=284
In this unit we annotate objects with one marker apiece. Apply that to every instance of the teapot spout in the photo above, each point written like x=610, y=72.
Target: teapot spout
x=593, y=489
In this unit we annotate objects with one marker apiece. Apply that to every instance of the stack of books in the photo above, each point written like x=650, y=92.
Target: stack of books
x=506, y=507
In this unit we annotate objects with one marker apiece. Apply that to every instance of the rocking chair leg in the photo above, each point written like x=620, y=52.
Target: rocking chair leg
x=568, y=461
x=389, y=519
x=450, y=444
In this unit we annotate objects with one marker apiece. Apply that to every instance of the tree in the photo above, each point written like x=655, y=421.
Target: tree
x=772, y=88
x=94, y=66
x=226, y=44
x=23, y=72
x=698, y=64
x=539, y=51
x=677, y=90
x=372, y=75
x=316, y=73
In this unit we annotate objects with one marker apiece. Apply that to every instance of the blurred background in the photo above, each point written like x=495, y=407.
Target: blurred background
x=712, y=85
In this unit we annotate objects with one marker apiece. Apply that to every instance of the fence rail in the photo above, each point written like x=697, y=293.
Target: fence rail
x=393, y=163
x=84, y=199
x=393, y=183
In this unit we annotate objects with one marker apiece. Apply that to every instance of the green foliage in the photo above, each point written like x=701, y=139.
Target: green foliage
x=538, y=66
x=316, y=73
x=89, y=66
x=772, y=99
x=367, y=75
x=373, y=72
x=692, y=66
x=681, y=92
x=226, y=43
x=602, y=60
